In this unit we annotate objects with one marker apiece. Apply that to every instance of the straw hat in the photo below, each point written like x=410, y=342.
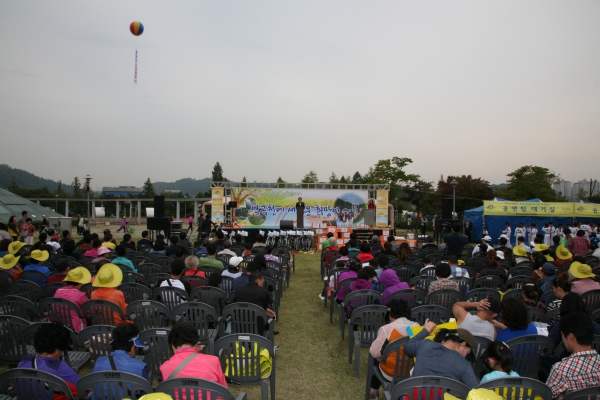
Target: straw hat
x=109, y=276
x=520, y=251
x=8, y=261
x=563, y=253
x=79, y=275
x=541, y=247
x=581, y=271
x=39, y=255
x=14, y=247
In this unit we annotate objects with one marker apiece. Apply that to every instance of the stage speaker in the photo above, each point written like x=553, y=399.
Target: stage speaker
x=285, y=224
x=446, y=208
x=159, y=206
x=159, y=224
x=233, y=204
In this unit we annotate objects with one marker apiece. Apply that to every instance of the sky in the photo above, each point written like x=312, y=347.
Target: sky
x=275, y=89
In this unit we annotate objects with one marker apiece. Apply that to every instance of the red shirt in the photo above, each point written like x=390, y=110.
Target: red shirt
x=364, y=257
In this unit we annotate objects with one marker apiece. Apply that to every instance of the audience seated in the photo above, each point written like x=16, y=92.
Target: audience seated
x=479, y=324
x=108, y=278
x=499, y=359
x=177, y=268
x=76, y=278
x=515, y=321
x=210, y=261
x=125, y=342
x=443, y=273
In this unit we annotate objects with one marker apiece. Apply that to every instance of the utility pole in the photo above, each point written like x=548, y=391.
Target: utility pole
x=592, y=188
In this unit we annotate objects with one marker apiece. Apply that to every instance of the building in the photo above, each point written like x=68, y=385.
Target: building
x=11, y=204
x=570, y=190
x=122, y=191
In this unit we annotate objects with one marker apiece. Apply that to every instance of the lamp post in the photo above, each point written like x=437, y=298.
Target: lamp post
x=453, y=183
x=55, y=203
x=88, y=178
x=184, y=207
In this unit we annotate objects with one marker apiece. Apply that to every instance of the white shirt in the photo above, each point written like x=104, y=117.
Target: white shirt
x=507, y=231
x=476, y=249
x=519, y=232
x=54, y=245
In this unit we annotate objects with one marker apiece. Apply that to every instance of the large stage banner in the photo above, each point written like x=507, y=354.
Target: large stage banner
x=217, y=212
x=381, y=209
x=516, y=208
x=589, y=210
x=266, y=208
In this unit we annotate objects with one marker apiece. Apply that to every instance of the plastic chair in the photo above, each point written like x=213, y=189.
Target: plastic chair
x=591, y=300
x=590, y=393
x=336, y=275
x=514, y=293
x=61, y=311
x=170, y=296
x=84, y=260
x=134, y=277
x=5, y=280
x=363, y=325
x=159, y=350
x=528, y=350
x=240, y=356
x=203, y=317
x=429, y=271
x=245, y=318
x=97, y=340
x=50, y=289
x=195, y=281
x=12, y=343
x=102, y=312
x=212, y=296
x=535, y=314
x=148, y=269
x=481, y=344
x=406, y=273
x=341, y=286
x=520, y=271
x=36, y=277
x=551, y=316
x=75, y=359
x=198, y=389
x=422, y=282
x=134, y=292
x=428, y=387
x=33, y=384
x=226, y=284
x=476, y=295
x=437, y=314
x=112, y=385
x=489, y=282
x=494, y=271
x=518, y=387
x=18, y=306
x=412, y=297
x=26, y=289
x=154, y=279
x=147, y=314
x=354, y=300
x=517, y=282
x=402, y=366
x=445, y=298
x=547, y=298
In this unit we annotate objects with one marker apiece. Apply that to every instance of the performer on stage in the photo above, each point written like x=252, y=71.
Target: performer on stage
x=300, y=203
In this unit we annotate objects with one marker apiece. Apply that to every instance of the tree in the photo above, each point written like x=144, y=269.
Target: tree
x=391, y=171
x=217, y=173
x=311, y=177
x=280, y=183
x=333, y=178
x=343, y=179
x=13, y=187
x=59, y=190
x=244, y=184
x=421, y=195
x=529, y=182
x=470, y=192
x=148, y=191
x=357, y=178
x=77, y=191
x=581, y=194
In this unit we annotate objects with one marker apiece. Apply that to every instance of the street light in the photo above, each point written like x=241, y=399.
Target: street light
x=88, y=178
x=55, y=203
x=184, y=207
x=453, y=183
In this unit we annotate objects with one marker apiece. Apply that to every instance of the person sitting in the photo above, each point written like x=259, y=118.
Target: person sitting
x=125, y=342
x=93, y=252
x=365, y=253
x=188, y=361
x=159, y=245
x=399, y=315
x=483, y=247
x=391, y=283
x=220, y=238
x=37, y=258
x=121, y=259
x=66, y=237
x=375, y=244
x=144, y=241
x=427, y=265
x=388, y=250
x=332, y=245
x=364, y=281
x=543, y=249
x=381, y=264
x=403, y=252
x=354, y=266
x=69, y=250
x=201, y=239
x=455, y=270
x=254, y=292
x=85, y=244
x=259, y=241
x=243, y=279
x=479, y=324
x=579, y=245
x=191, y=263
x=108, y=241
x=499, y=358
x=546, y=275
x=429, y=243
x=454, y=241
x=103, y=256
x=443, y=273
x=227, y=249
x=247, y=249
x=583, y=274
x=563, y=256
x=60, y=272
x=233, y=271
x=492, y=260
x=325, y=243
x=127, y=242
x=210, y=261
x=76, y=278
x=503, y=244
x=49, y=343
x=177, y=268
x=530, y=297
x=183, y=241
x=571, y=303
x=108, y=278
x=174, y=243
x=448, y=348
x=582, y=368
x=515, y=321
x=560, y=286
x=391, y=239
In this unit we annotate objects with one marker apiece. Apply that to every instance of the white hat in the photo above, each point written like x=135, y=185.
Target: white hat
x=487, y=238
x=500, y=254
x=235, y=261
x=503, y=236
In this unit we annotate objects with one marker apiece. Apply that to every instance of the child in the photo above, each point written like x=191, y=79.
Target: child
x=500, y=360
x=532, y=233
x=247, y=249
x=328, y=287
x=28, y=231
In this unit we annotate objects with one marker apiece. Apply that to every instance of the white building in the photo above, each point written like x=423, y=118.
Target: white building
x=569, y=190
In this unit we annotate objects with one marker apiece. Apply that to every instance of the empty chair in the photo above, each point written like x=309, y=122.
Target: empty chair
x=248, y=360
x=518, y=387
x=170, y=296
x=591, y=300
x=113, y=385
x=363, y=325
x=425, y=386
x=520, y=271
x=97, y=340
x=247, y=318
x=12, y=343
x=517, y=282
x=33, y=384
x=489, y=282
x=406, y=273
x=134, y=292
x=437, y=314
x=422, y=282
x=134, y=277
x=445, y=298
x=148, y=269
x=493, y=271
x=102, y=312
x=203, y=317
x=26, y=289
x=147, y=314
x=212, y=296
x=18, y=306
x=159, y=350
x=199, y=389
x=590, y=393
x=528, y=351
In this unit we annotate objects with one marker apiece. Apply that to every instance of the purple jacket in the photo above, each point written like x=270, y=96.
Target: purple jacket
x=391, y=283
x=344, y=275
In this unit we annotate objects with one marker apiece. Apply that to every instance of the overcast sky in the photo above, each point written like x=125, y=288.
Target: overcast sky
x=277, y=88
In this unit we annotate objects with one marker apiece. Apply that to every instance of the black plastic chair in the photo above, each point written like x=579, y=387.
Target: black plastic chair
x=50, y=289
x=445, y=298
x=147, y=314
x=61, y=311
x=148, y=269
x=203, y=317
x=590, y=393
x=476, y=295
x=423, y=385
x=437, y=314
x=354, y=300
x=159, y=350
x=97, y=340
x=198, y=389
x=489, y=282
x=422, y=282
x=246, y=318
x=195, y=281
x=514, y=293
x=535, y=314
x=493, y=271
x=412, y=297
x=18, y=306
x=36, y=277
x=112, y=385
x=170, y=296
x=13, y=345
x=155, y=279
x=520, y=271
x=518, y=387
x=517, y=282
x=102, y=312
x=26, y=289
x=212, y=296
x=528, y=351
x=363, y=326
x=591, y=300
x=134, y=292
x=134, y=277
x=401, y=370
x=406, y=273
x=33, y=384
x=5, y=280
x=240, y=356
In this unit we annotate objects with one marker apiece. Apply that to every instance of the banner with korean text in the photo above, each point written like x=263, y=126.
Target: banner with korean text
x=217, y=211
x=381, y=209
x=588, y=210
x=516, y=208
x=267, y=207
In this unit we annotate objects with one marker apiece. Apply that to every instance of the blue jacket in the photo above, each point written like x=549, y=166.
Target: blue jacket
x=124, y=362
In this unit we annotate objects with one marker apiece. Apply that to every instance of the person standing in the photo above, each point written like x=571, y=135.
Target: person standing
x=454, y=241
x=469, y=229
x=300, y=203
x=123, y=225
x=423, y=224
